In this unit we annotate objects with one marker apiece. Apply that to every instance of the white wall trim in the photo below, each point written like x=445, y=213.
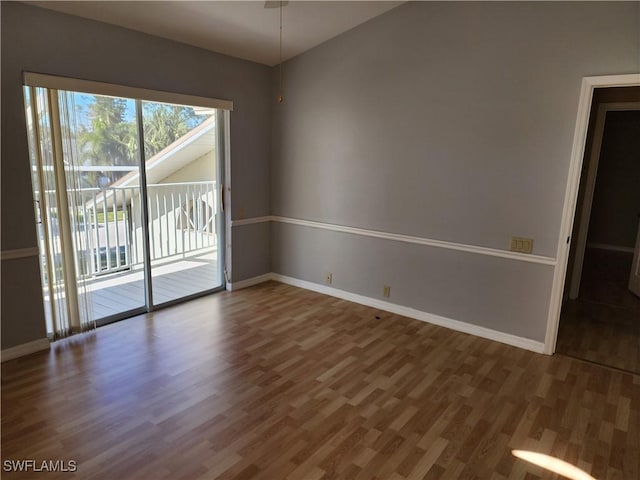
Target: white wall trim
x=102, y=88
x=493, y=252
x=613, y=248
x=459, y=326
x=25, y=349
x=250, y=221
x=20, y=253
x=249, y=282
x=571, y=195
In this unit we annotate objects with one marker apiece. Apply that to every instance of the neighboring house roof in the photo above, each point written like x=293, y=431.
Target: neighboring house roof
x=175, y=156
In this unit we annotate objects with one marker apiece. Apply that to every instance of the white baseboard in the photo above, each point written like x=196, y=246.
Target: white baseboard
x=614, y=248
x=25, y=349
x=483, y=332
x=249, y=282
x=464, y=327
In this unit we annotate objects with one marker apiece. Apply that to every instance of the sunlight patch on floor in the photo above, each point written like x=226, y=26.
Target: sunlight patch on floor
x=553, y=464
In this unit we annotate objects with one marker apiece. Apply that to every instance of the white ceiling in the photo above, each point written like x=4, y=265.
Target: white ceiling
x=243, y=29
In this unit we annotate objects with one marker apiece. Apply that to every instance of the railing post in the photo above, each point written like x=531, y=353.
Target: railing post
x=159, y=224
x=175, y=230
x=166, y=223
x=181, y=221
x=106, y=231
x=151, y=229
x=96, y=247
x=117, y=227
x=127, y=228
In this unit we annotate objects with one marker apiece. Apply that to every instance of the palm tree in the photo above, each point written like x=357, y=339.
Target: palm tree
x=164, y=124
x=109, y=140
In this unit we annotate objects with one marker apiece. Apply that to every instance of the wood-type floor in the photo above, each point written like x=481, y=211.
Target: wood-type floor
x=603, y=324
x=275, y=382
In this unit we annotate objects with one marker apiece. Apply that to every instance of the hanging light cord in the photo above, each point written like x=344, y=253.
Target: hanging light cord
x=280, y=97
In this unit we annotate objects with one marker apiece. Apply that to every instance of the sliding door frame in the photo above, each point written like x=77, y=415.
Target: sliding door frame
x=222, y=107
x=144, y=211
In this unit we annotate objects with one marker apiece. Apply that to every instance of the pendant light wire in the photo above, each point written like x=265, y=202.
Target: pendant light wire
x=280, y=97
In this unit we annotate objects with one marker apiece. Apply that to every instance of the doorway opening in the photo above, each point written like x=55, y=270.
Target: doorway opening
x=600, y=315
x=128, y=204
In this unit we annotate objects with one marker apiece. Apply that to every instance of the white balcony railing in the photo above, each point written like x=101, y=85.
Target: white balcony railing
x=108, y=228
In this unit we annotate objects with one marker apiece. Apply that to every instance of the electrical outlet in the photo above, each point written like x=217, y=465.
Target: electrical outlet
x=521, y=245
x=328, y=279
x=386, y=291
x=241, y=213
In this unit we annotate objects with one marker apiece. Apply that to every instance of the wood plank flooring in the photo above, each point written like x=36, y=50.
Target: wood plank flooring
x=605, y=278
x=605, y=334
x=603, y=324
x=274, y=382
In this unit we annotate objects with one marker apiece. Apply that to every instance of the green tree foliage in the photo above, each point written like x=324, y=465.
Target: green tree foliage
x=109, y=138
x=164, y=124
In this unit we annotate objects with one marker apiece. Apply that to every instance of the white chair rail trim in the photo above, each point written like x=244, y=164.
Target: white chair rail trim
x=19, y=253
x=493, y=252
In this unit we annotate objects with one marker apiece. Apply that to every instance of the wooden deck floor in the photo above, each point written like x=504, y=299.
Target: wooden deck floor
x=120, y=292
x=275, y=382
x=185, y=278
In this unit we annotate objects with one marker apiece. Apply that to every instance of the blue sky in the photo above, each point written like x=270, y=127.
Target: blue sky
x=83, y=100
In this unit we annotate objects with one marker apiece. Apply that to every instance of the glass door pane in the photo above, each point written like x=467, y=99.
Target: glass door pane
x=103, y=186
x=183, y=190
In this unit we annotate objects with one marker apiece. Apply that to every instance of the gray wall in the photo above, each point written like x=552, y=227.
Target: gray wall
x=38, y=40
x=422, y=277
x=451, y=121
x=616, y=200
x=250, y=258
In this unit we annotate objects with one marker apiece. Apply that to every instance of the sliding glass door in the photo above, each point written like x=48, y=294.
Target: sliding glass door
x=122, y=228
x=183, y=188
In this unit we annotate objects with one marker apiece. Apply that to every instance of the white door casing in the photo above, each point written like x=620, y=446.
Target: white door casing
x=571, y=195
x=634, y=277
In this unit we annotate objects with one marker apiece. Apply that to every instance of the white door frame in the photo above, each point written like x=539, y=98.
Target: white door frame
x=225, y=198
x=634, y=276
x=590, y=185
x=571, y=195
